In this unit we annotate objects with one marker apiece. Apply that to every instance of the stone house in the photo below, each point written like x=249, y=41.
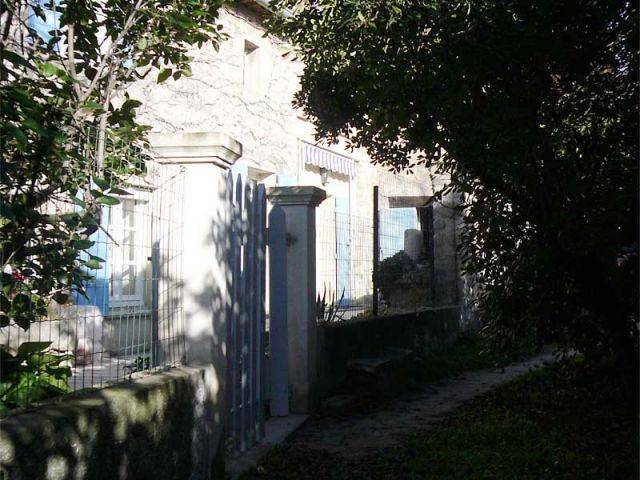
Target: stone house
x=245, y=90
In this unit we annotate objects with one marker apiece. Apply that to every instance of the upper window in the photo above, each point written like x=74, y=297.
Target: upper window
x=252, y=74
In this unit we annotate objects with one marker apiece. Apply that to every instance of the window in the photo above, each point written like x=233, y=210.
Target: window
x=126, y=255
x=252, y=80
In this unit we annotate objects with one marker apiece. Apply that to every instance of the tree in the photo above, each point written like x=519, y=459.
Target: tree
x=531, y=108
x=68, y=132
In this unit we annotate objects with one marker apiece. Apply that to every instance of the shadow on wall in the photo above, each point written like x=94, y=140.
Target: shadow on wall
x=207, y=345
x=138, y=430
x=168, y=425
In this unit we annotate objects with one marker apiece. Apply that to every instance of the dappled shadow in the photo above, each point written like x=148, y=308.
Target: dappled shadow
x=168, y=425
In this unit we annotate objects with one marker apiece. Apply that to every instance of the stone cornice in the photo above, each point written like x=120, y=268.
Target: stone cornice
x=195, y=147
x=298, y=195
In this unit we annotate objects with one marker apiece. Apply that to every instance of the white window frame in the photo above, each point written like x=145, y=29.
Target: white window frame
x=117, y=255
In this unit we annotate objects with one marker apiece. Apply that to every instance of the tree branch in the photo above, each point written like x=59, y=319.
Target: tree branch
x=71, y=58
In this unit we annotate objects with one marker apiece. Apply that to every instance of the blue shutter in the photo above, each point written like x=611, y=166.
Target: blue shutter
x=97, y=290
x=43, y=27
x=343, y=262
x=242, y=170
x=285, y=180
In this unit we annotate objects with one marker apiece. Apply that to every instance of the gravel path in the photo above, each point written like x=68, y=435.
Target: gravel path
x=360, y=435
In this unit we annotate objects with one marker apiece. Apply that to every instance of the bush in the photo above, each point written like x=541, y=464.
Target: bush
x=400, y=273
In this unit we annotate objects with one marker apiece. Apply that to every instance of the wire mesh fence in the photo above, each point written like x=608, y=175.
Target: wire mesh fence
x=344, y=252
x=129, y=319
x=377, y=265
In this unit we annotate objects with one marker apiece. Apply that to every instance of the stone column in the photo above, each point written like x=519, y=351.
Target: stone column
x=446, y=268
x=206, y=273
x=299, y=207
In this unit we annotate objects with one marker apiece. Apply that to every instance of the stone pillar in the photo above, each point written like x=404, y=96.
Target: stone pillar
x=445, y=243
x=299, y=207
x=206, y=273
x=414, y=243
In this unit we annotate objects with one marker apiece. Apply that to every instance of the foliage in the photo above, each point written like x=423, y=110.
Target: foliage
x=140, y=364
x=31, y=374
x=400, y=272
x=329, y=309
x=564, y=421
x=68, y=134
x=531, y=109
x=471, y=351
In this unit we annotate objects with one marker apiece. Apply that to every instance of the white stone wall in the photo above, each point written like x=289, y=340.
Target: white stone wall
x=259, y=115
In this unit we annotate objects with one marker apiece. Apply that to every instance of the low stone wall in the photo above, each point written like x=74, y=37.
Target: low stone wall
x=343, y=341
x=160, y=426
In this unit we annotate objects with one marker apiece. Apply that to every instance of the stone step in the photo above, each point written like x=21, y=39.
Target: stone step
x=385, y=374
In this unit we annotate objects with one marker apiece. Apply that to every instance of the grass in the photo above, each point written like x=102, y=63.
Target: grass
x=566, y=421
x=470, y=352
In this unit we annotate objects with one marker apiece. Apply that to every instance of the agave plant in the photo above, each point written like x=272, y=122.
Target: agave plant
x=329, y=309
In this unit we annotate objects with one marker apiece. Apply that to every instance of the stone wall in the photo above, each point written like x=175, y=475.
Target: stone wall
x=156, y=427
x=343, y=341
x=253, y=106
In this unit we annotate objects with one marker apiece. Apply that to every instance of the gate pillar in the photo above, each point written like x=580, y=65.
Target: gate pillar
x=297, y=205
x=206, y=223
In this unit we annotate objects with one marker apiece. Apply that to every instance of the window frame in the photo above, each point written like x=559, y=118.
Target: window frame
x=140, y=229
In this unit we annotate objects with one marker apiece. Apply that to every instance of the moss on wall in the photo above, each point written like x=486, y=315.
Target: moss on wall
x=157, y=427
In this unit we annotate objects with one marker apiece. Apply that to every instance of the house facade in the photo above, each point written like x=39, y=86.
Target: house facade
x=245, y=89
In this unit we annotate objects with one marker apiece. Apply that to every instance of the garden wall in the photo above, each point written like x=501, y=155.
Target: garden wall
x=343, y=341
x=160, y=426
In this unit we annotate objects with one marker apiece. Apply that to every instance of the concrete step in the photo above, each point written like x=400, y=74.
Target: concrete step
x=385, y=374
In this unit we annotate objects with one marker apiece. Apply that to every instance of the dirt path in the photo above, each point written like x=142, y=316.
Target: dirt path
x=357, y=436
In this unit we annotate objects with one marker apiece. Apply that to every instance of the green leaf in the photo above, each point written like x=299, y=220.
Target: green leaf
x=5, y=303
x=83, y=244
x=28, y=348
x=93, y=264
x=48, y=69
x=107, y=200
x=61, y=297
x=79, y=202
x=164, y=74
x=21, y=302
x=93, y=106
x=22, y=321
x=142, y=43
x=118, y=191
x=101, y=182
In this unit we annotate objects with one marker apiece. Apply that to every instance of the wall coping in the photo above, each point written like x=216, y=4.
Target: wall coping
x=77, y=401
x=296, y=195
x=195, y=147
x=392, y=317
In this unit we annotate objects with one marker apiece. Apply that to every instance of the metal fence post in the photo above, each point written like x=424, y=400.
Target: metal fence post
x=155, y=275
x=376, y=249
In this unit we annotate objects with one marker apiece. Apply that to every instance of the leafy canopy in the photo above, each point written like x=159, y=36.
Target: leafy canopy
x=531, y=109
